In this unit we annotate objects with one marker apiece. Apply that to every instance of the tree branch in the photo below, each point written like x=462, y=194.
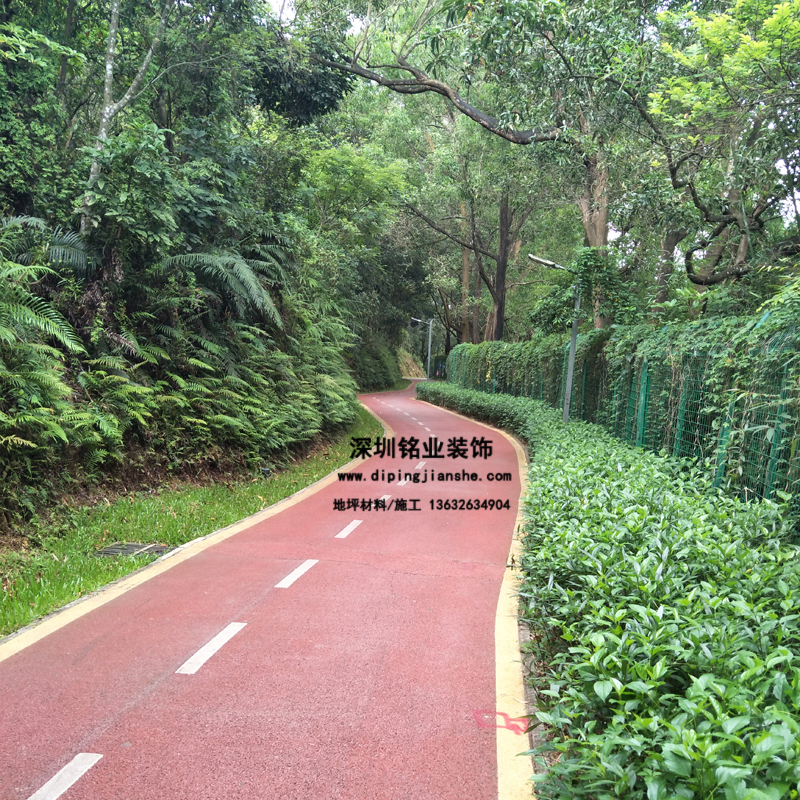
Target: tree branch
x=735, y=270
x=145, y=65
x=420, y=83
x=428, y=221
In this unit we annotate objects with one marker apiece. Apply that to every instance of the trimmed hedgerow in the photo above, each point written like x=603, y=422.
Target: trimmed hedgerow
x=667, y=615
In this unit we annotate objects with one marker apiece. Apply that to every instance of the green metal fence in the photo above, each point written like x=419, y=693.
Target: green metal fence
x=745, y=430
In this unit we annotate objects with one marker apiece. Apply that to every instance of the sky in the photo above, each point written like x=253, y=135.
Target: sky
x=283, y=8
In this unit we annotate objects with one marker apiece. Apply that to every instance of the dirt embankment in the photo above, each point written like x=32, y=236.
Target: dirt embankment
x=409, y=368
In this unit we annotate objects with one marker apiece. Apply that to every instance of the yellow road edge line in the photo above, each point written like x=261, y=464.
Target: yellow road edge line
x=513, y=773
x=30, y=634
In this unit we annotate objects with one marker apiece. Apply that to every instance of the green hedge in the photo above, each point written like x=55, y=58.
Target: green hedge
x=722, y=391
x=667, y=613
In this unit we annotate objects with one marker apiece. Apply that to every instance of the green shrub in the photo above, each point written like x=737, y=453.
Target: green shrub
x=375, y=364
x=666, y=611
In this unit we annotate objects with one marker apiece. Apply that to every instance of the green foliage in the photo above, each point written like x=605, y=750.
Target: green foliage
x=665, y=613
x=20, y=44
x=723, y=391
x=227, y=262
x=604, y=293
x=295, y=87
x=32, y=389
x=134, y=196
x=31, y=119
x=375, y=364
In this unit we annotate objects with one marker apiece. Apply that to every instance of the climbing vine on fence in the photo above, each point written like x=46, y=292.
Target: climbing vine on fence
x=724, y=391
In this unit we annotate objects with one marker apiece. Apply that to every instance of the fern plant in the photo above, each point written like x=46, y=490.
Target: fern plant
x=33, y=393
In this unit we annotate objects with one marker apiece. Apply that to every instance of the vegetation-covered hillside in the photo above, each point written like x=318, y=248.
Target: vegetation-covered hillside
x=220, y=219
x=194, y=273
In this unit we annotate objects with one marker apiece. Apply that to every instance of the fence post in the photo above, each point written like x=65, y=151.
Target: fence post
x=583, y=390
x=630, y=410
x=562, y=393
x=676, y=446
x=614, y=407
x=722, y=447
x=777, y=436
x=641, y=420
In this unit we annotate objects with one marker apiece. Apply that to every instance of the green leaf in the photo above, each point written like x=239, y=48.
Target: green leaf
x=735, y=723
x=677, y=764
x=603, y=689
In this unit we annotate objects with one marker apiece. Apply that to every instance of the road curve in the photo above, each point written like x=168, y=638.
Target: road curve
x=320, y=653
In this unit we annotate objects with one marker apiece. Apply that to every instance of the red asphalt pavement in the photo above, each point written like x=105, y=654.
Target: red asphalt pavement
x=365, y=678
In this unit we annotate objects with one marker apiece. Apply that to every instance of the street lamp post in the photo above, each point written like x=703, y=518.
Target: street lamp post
x=430, y=337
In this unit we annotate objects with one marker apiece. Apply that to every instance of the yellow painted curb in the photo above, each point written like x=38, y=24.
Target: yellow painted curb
x=513, y=771
x=32, y=633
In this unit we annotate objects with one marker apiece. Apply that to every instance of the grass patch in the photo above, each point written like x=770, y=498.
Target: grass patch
x=665, y=613
x=62, y=566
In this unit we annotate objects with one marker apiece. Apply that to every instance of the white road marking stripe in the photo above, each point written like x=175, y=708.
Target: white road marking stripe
x=386, y=497
x=403, y=482
x=349, y=529
x=420, y=465
x=208, y=650
x=295, y=574
x=66, y=776
x=428, y=429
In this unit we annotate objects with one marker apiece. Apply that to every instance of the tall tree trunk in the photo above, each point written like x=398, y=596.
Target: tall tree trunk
x=464, y=280
x=164, y=120
x=476, y=321
x=69, y=29
x=488, y=331
x=504, y=246
x=110, y=108
x=448, y=323
x=593, y=205
x=666, y=262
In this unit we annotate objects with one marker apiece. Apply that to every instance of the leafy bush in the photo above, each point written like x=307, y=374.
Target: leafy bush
x=375, y=364
x=194, y=367
x=666, y=612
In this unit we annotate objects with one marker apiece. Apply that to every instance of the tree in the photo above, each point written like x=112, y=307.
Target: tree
x=110, y=107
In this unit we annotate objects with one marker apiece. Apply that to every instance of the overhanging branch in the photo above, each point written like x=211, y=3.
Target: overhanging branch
x=470, y=246
x=419, y=82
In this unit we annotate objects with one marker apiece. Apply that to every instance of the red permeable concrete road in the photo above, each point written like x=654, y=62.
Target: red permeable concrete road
x=363, y=679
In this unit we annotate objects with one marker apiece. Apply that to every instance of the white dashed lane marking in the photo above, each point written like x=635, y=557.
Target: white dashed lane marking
x=295, y=574
x=66, y=776
x=206, y=651
x=349, y=529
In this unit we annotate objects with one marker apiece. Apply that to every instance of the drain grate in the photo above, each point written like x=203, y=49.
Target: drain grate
x=134, y=549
